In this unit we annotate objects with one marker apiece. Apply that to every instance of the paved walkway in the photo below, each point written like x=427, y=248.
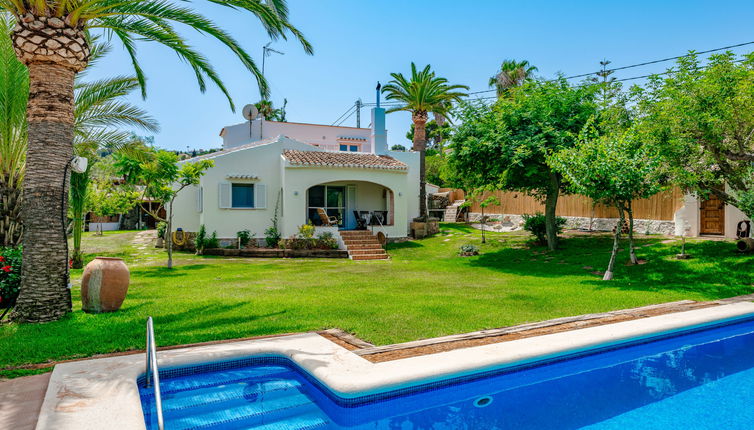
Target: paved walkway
x=20, y=401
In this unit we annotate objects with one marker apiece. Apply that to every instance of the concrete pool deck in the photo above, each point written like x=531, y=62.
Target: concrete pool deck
x=94, y=394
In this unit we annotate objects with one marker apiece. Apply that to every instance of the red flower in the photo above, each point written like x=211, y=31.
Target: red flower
x=2, y=258
x=7, y=269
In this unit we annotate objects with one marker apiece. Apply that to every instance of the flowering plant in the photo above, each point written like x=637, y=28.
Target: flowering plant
x=10, y=275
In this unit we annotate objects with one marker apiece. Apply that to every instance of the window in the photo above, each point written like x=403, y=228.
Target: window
x=242, y=195
x=343, y=147
x=331, y=198
x=354, y=148
x=349, y=148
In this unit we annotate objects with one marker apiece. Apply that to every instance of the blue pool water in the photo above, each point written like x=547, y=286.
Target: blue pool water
x=695, y=380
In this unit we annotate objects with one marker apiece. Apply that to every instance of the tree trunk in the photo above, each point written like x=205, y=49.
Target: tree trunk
x=53, y=51
x=616, y=238
x=551, y=203
x=420, y=145
x=169, y=230
x=631, y=250
x=10, y=211
x=77, y=193
x=483, y=223
x=45, y=295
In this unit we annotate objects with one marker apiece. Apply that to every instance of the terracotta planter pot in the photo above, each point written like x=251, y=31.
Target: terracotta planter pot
x=104, y=285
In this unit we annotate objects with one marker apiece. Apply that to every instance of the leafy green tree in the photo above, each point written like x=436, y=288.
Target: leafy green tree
x=423, y=92
x=397, y=147
x=701, y=119
x=160, y=178
x=505, y=146
x=614, y=169
x=437, y=170
x=512, y=73
x=52, y=38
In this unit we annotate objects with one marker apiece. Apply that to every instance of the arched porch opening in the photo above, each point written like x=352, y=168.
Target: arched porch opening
x=354, y=204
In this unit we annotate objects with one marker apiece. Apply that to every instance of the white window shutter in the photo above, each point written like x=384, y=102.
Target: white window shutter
x=260, y=196
x=199, y=199
x=224, y=195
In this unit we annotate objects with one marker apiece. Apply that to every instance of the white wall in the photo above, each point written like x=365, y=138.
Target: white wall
x=688, y=217
x=299, y=179
x=324, y=136
x=266, y=163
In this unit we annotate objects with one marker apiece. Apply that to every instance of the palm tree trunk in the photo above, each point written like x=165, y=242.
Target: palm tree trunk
x=45, y=295
x=10, y=211
x=420, y=145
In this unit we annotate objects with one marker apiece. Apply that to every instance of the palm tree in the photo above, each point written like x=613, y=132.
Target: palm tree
x=52, y=38
x=99, y=111
x=422, y=93
x=512, y=74
x=14, y=91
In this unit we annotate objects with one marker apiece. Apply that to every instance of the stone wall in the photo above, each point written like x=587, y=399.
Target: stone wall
x=641, y=226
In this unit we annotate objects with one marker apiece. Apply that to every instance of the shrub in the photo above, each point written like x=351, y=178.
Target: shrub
x=244, y=236
x=536, y=225
x=162, y=228
x=326, y=240
x=202, y=242
x=10, y=276
x=272, y=237
x=468, y=250
x=306, y=231
x=212, y=242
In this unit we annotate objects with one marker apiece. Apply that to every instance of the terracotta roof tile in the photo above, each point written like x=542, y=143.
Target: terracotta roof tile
x=342, y=159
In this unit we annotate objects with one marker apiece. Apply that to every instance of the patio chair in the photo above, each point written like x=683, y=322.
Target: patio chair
x=361, y=222
x=327, y=220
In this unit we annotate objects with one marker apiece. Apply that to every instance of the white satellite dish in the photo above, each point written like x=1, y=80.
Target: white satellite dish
x=250, y=112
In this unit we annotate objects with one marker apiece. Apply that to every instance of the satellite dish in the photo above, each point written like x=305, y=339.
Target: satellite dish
x=250, y=112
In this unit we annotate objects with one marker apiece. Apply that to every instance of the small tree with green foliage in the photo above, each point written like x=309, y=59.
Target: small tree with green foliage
x=160, y=178
x=505, y=146
x=613, y=169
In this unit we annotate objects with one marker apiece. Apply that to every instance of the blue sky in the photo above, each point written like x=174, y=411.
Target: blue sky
x=358, y=43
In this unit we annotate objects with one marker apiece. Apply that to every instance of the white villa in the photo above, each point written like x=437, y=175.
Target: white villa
x=294, y=169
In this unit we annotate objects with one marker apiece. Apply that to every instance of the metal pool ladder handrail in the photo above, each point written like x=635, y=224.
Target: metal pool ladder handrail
x=153, y=372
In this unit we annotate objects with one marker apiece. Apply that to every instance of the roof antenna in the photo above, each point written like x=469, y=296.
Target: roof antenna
x=379, y=85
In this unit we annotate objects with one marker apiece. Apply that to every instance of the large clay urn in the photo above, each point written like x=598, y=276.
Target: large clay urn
x=104, y=285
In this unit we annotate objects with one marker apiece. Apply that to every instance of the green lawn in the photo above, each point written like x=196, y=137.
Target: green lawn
x=425, y=290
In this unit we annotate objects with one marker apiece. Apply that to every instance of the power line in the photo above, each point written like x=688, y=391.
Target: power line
x=344, y=114
x=646, y=63
x=346, y=118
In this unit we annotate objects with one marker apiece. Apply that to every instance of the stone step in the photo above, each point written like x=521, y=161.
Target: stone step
x=356, y=233
x=360, y=241
x=364, y=246
x=367, y=252
x=370, y=257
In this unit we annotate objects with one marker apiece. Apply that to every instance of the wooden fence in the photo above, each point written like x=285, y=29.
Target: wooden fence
x=659, y=207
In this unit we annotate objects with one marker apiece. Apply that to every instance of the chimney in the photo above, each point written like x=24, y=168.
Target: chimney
x=379, y=135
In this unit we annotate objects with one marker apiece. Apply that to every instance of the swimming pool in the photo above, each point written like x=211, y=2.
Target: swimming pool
x=700, y=379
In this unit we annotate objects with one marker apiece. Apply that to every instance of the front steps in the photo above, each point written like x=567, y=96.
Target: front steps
x=363, y=245
x=451, y=212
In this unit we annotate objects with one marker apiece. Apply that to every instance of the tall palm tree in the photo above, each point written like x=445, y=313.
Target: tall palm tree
x=52, y=38
x=512, y=74
x=420, y=94
x=14, y=91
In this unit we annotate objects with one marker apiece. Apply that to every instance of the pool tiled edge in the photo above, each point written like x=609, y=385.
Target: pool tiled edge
x=103, y=393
